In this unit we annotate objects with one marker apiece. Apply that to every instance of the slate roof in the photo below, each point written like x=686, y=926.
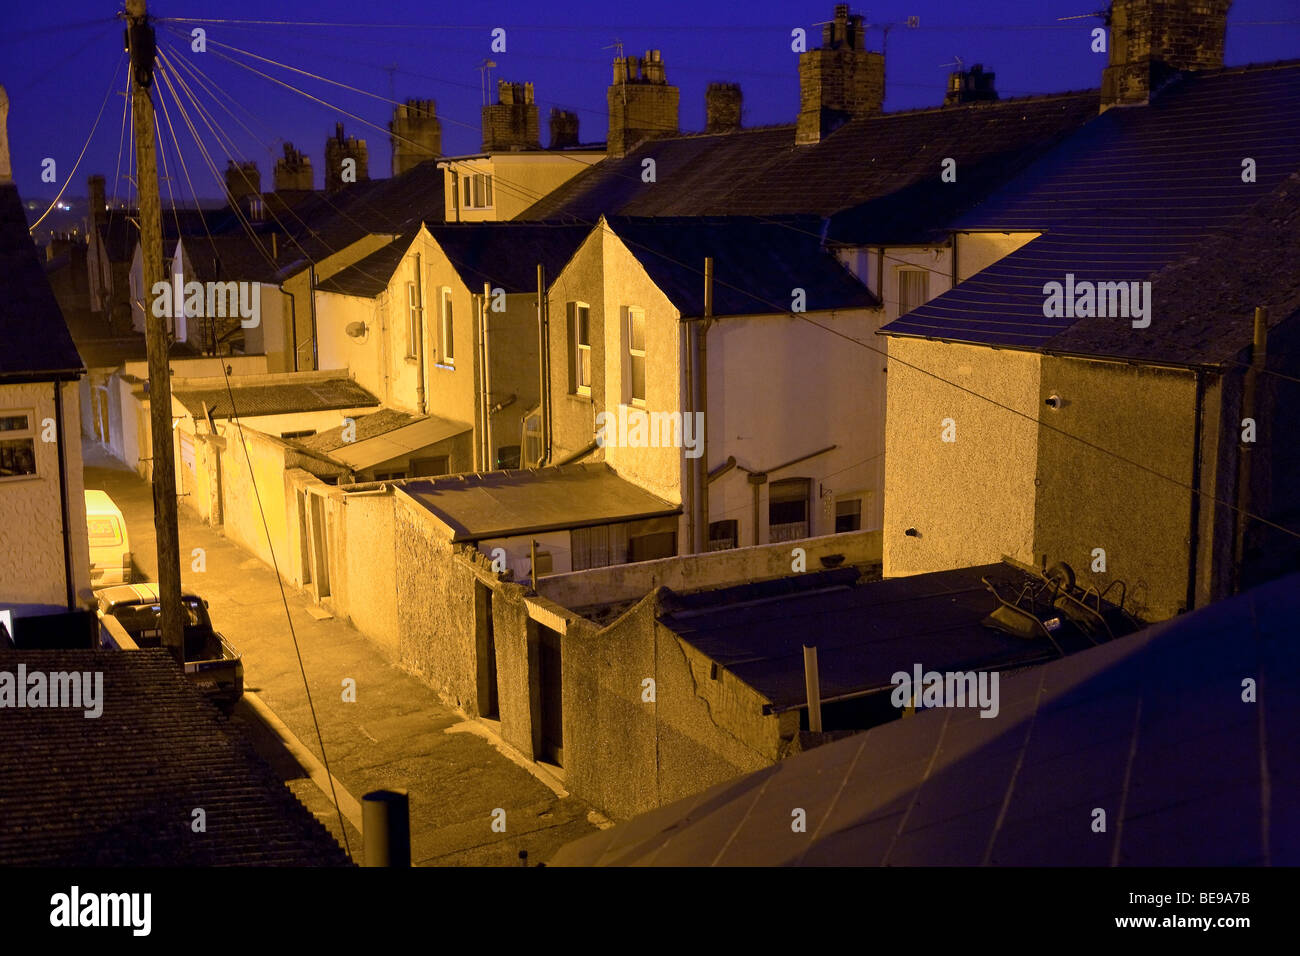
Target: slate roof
x=1138, y=190
x=506, y=254
x=757, y=263
x=253, y=399
x=761, y=172
x=370, y=275
x=234, y=256
x=500, y=504
x=367, y=426
x=864, y=633
x=1151, y=728
x=120, y=789
x=382, y=436
x=35, y=343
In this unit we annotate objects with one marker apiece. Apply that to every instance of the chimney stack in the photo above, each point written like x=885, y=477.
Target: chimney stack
x=641, y=103
x=242, y=180
x=293, y=172
x=337, y=149
x=1152, y=40
x=98, y=202
x=722, y=102
x=564, y=129
x=840, y=81
x=973, y=86
x=511, y=123
x=416, y=134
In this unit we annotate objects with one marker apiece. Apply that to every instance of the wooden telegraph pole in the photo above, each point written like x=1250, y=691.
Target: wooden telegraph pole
x=140, y=43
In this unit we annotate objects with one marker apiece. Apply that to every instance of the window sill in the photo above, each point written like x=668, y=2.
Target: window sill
x=441, y=365
x=412, y=360
x=579, y=397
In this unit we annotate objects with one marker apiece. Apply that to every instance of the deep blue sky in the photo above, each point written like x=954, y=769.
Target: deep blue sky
x=56, y=63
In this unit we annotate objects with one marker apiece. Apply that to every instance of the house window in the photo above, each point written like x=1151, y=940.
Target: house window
x=478, y=190
x=580, y=336
x=508, y=456
x=723, y=535
x=598, y=547
x=447, y=323
x=848, y=515
x=533, y=439
x=17, y=444
x=787, y=509
x=389, y=475
x=913, y=289
x=635, y=388
x=429, y=467
x=412, y=319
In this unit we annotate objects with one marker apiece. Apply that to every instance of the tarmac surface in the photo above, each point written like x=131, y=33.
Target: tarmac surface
x=397, y=733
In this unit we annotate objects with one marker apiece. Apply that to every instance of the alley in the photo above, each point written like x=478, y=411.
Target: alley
x=396, y=734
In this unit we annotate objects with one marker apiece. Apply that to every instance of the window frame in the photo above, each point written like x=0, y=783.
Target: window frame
x=446, y=328
x=28, y=434
x=634, y=354
x=412, y=319
x=925, y=283
x=579, y=347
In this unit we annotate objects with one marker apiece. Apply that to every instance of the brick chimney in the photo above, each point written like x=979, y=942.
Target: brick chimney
x=511, y=122
x=1152, y=40
x=98, y=201
x=970, y=86
x=337, y=149
x=293, y=171
x=722, y=102
x=564, y=128
x=242, y=180
x=416, y=134
x=841, y=80
x=641, y=103
x=6, y=173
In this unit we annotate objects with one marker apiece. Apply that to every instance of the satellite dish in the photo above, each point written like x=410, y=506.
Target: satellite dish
x=356, y=330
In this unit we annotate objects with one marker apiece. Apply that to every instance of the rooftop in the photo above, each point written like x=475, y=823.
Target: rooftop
x=757, y=262
x=1151, y=727
x=281, y=394
x=382, y=436
x=864, y=632
x=120, y=789
x=1137, y=191
x=501, y=504
x=34, y=340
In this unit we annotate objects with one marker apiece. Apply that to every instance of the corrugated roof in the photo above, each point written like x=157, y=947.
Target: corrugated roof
x=761, y=171
x=120, y=789
x=1137, y=190
x=504, y=503
x=757, y=263
x=1151, y=728
x=34, y=339
x=279, y=398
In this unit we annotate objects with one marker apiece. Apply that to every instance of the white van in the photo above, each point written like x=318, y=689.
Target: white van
x=110, y=547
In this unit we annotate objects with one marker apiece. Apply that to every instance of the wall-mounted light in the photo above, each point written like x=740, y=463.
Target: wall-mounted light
x=1054, y=402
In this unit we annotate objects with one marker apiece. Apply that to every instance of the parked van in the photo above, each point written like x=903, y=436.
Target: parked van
x=110, y=548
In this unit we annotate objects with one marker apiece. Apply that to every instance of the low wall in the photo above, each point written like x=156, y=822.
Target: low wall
x=626, y=582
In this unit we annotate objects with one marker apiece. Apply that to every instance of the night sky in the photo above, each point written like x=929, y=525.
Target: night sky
x=57, y=60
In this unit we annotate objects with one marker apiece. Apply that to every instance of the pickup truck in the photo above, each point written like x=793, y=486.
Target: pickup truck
x=211, y=661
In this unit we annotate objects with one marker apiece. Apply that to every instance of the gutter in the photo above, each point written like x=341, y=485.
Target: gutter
x=1194, y=535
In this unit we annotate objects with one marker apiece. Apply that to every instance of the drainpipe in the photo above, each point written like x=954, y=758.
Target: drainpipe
x=419, y=335
x=63, y=497
x=311, y=288
x=1194, y=536
x=699, y=404
x=293, y=323
x=543, y=365
x=487, y=378
x=1246, y=456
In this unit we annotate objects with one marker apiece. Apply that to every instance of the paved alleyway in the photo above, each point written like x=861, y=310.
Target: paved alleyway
x=397, y=734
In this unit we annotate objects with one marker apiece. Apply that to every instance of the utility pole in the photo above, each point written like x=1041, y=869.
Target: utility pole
x=140, y=43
